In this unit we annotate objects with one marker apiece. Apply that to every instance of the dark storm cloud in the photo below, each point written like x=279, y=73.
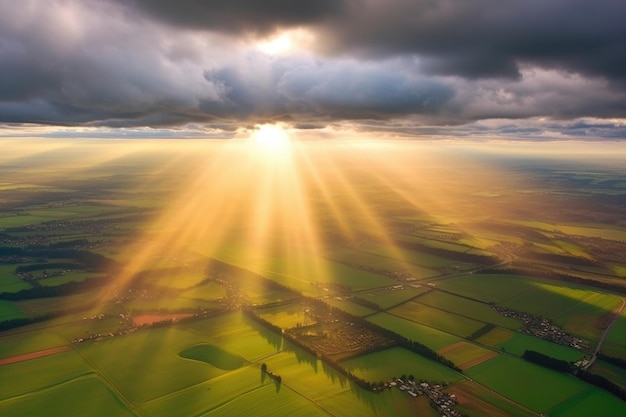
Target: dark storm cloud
x=488, y=38
x=237, y=16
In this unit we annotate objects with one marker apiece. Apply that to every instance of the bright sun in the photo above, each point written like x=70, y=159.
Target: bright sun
x=271, y=137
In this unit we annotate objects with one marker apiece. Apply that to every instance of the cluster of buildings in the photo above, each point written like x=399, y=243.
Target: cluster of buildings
x=542, y=328
x=442, y=401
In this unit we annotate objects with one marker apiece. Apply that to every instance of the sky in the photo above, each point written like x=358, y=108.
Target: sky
x=529, y=70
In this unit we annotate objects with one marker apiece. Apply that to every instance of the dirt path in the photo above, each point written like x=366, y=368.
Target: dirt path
x=606, y=332
x=34, y=355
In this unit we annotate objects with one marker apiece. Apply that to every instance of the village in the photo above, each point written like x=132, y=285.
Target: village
x=442, y=401
x=543, y=328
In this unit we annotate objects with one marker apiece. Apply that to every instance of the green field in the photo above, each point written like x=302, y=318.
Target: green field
x=428, y=336
x=213, y=356
x=79, y=397
x=9, y=311
x=156, y=354
x=516, y=343
x=488, y=287
x=469, y=308
x=438, y=319
x=394, y=362
x=36, y=374
x=391, y=297
x=611, y=372
x=590, y=402
x=526, y=383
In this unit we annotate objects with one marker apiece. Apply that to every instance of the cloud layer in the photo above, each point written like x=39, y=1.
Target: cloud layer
x=125, y=63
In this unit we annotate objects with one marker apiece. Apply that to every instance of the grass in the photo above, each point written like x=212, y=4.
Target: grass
x=615, y=342
x=69, y=277
x=432, y=338
x=36, y=374
x=9, y=282
x=476, y=401
x=213, y=356
x=389, y=298
x=466, y=355
x=591, y=402
x=145, y=365
x=237, y=334
x=447, y=322
x=610, y=372
x=488, y=287
x=268, y=401
x=385, y=364
x=350, y=307
x=535, y=387
x=286, y=316
x=27, y=342
x=9, y=311
x=205, y=396
x=79, y=397
x=469, y=308
x=521, y=342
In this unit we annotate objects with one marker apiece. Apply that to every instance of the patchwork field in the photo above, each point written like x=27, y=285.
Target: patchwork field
x=438, y=319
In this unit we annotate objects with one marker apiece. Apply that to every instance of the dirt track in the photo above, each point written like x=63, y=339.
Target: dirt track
x=33, y=355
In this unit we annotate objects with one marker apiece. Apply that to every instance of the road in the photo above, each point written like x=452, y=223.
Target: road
x=606, y=332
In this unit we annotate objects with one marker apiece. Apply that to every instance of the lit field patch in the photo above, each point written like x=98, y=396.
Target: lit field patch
x=147, y=319
x=207, y=395
x=466, y=355
x=474, y=400
x=526, y=383
x=591, y=402
x=80, y=397
x=27, y=342
x=207, y=291
x=299, y=276
x=432, y=338
x=447, y=322
x=553, y=301
x=385, y=364
x=286, y=316
x=496, y=337
x=146, y=364
x=35, y=374
x=268, y=401
x=213, y=356
x=9, y=311
x=237, y=334
x=307, y=375
x=469, y=308
x=178, y=280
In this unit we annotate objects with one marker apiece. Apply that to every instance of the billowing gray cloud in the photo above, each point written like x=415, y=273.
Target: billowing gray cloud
x=124, y=63
x=239, y=16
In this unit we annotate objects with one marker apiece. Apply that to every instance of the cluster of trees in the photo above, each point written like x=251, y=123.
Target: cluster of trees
x=547, y=361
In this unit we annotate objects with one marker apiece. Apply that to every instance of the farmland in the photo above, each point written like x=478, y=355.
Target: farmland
x=120, y=286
